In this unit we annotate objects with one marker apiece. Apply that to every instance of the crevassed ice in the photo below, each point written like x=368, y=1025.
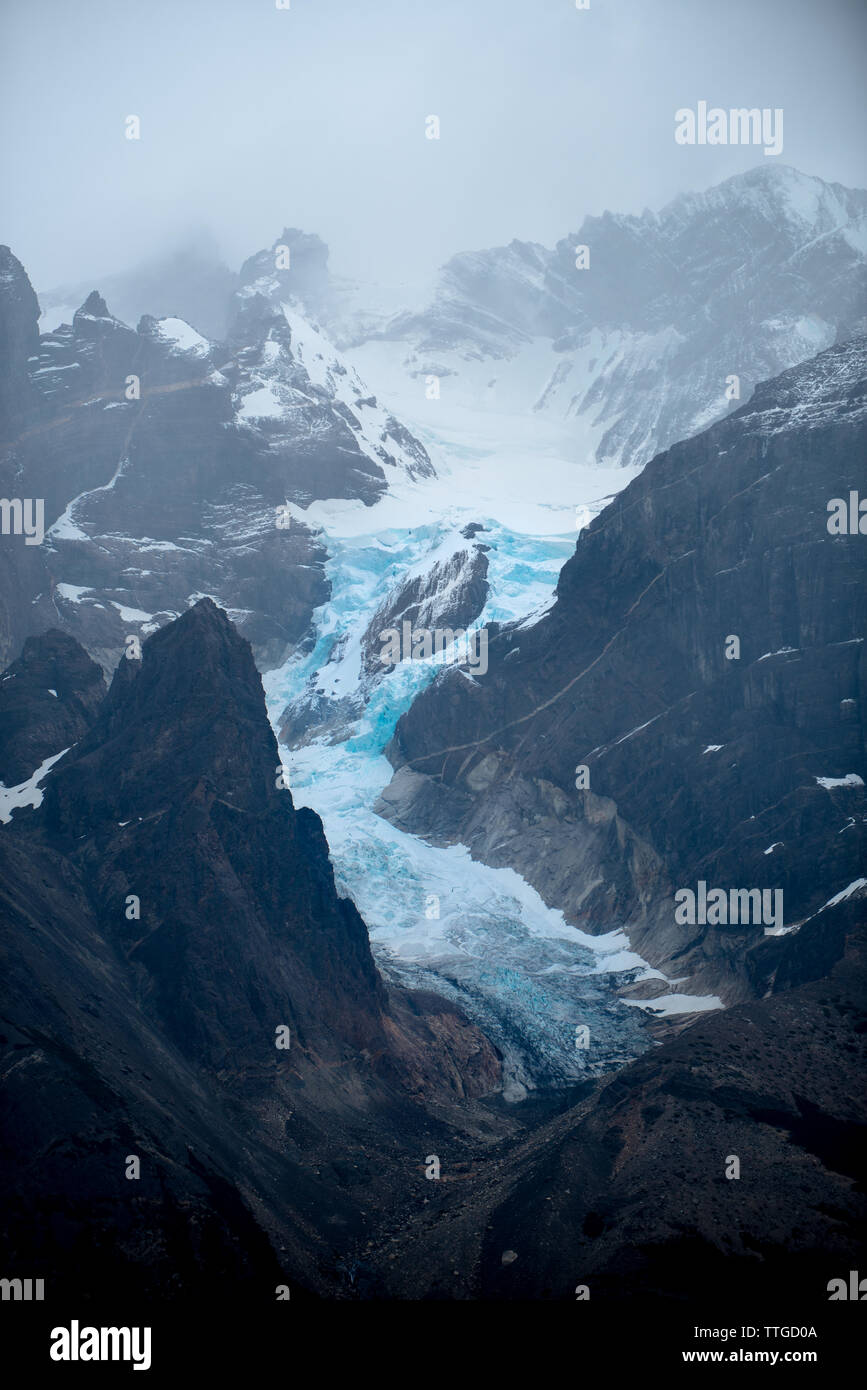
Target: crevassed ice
x=515, y=965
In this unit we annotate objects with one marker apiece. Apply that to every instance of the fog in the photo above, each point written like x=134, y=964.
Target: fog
x=253, y=118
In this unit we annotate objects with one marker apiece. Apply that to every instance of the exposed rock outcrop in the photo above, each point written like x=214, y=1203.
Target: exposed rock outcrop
x=49, y=698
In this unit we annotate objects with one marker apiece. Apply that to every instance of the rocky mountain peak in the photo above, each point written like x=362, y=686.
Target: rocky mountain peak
x=94, y=307
x=48, y=699
x=191, y=712
x=19, y=341
x=174, y=795
x=298, y=263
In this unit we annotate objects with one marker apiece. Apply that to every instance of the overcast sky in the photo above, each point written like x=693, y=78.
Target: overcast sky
x=253, y=118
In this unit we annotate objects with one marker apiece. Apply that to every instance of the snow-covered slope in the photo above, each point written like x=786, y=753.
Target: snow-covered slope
x=291, y=385
x=639, y=348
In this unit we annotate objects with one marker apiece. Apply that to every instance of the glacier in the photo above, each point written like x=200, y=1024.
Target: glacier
x=437, y=918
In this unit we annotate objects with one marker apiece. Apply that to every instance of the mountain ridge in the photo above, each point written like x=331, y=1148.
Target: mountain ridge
x=646, y=344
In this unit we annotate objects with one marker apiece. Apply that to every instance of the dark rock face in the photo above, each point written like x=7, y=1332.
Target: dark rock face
x=49, y=697
x=181, y=756
x=166, y=910
x=19, y=341
x=166, y=461
x=743, y=773
x=190, y=508
x=75, y=430
x=21, y=568
x=633, y=1192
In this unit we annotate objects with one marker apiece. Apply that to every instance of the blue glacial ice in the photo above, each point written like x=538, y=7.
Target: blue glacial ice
x=437, y=918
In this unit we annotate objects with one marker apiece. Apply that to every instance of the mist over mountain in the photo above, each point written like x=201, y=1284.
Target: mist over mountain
x=631, y=357
x=637, y=350
x=190, y=283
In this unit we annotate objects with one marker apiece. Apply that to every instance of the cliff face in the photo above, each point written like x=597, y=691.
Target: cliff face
x=743, y=770
x=179, y=774
x=21, y=568
x=49, y=697
x=183, y=983
x=19, y=340
x=448, y=593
